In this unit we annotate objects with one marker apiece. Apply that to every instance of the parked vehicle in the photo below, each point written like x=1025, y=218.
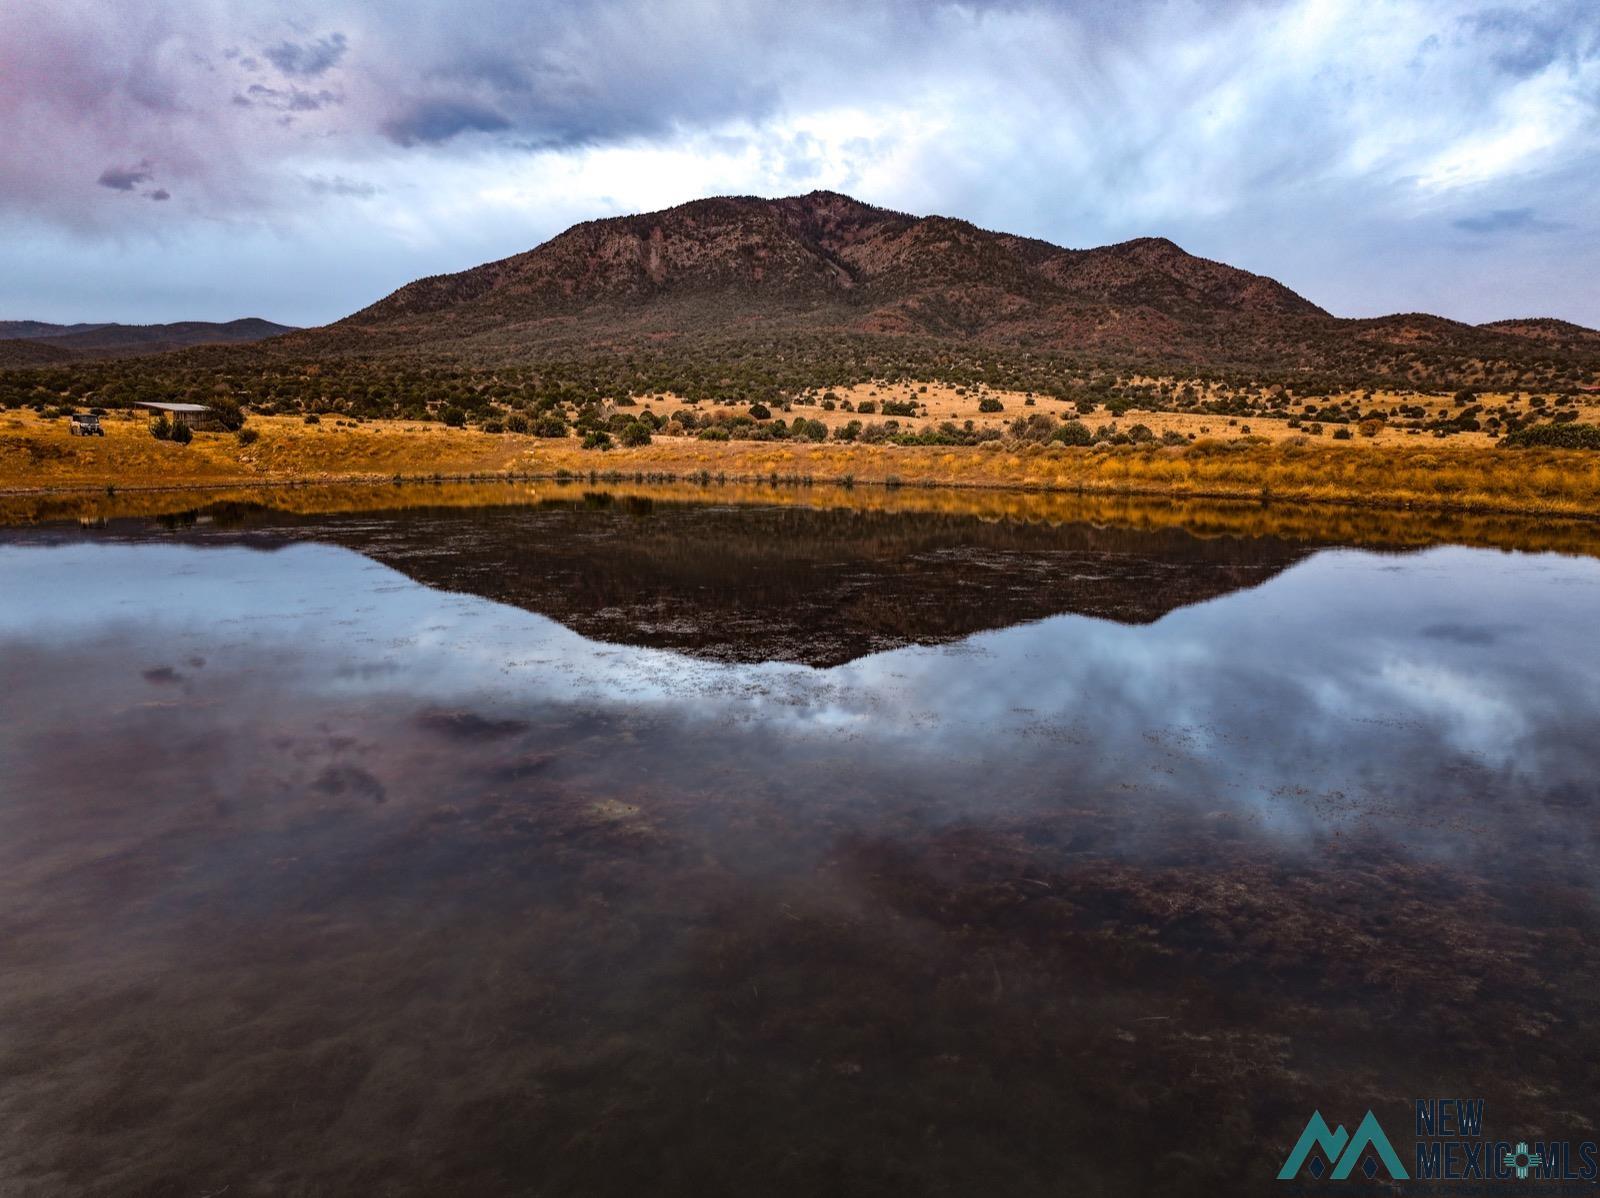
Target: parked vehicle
x=84, y=426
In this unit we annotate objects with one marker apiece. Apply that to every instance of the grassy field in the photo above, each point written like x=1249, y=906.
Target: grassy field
x=38, y=456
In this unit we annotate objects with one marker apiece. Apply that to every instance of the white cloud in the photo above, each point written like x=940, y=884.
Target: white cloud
x=1295, y=137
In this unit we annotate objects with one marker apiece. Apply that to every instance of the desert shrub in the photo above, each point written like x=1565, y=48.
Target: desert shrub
x=313, y=418
x=808, y=430
x=227, y=412
x=714, y=433
x=1342, y=433
x=597, y=439
x=1038, y=427
x=551, y=424
x=847, y=432
x=182, y=434
x=899, y=407
x=1173, y=437
x=635, y=433
x=161, y=428
x=1554, y=436
x=1140, y=434
x=759, y=411
x=453, y=416
x=1074, y=432
x=1371, y=428
x=987, y=404
x=518, y=423
x=868, y=407
x=493, y=426
x=248, y=436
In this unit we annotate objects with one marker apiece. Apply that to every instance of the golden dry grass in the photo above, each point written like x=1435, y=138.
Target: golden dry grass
x=39, y=456
x=1319, y=523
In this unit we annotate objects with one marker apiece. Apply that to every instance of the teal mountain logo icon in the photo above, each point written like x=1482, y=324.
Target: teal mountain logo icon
x=1343, y=1151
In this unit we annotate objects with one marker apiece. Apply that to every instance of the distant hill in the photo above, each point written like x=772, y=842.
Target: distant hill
x=1559, y=333
x=716, y=279
x=30, y=342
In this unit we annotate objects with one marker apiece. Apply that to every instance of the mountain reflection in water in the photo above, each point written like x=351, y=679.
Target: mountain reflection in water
x=317, y=880
x=755, y=583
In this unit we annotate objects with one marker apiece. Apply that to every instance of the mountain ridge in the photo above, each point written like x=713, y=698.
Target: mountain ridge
x=725, y=275
x=28, y=342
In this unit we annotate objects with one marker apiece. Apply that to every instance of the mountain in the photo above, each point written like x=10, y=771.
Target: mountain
x=26, y=342
x=705, y=277
x=819, y=262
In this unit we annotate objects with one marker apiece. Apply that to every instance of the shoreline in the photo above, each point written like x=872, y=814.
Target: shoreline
x=375, y=483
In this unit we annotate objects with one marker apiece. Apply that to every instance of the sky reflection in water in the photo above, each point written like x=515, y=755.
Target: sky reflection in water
x=343, y=805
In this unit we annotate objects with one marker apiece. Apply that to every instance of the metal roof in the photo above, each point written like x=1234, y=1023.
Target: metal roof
x=187, y=408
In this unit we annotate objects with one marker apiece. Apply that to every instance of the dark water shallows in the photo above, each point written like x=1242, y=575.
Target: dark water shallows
x=318, y=878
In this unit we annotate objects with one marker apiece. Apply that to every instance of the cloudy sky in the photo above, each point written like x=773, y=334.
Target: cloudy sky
x=206, y=159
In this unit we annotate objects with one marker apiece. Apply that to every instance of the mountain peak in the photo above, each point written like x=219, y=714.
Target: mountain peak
x=823, y=260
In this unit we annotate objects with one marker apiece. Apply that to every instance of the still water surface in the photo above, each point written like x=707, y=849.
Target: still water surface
x=615, y=848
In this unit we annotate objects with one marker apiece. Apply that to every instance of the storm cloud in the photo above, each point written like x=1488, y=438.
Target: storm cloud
x=1350, y=148
x=123, y=178
x=306, y=59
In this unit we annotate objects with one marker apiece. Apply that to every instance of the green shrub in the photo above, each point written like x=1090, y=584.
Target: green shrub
x=518, y=423
x=493, y=426
x=182, y=434
x=161, y=428
x=551, y=424
x=226, y=411
x=597, y=439
x=313, y=418
x=1554, y=436
x=1074, y=432
x=715, y=433
x=454, y=417
x=989, y=404
x=760, y=412
x=248, y=436
x=634, y=434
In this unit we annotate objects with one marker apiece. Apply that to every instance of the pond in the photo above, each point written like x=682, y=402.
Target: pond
x=593, y=842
